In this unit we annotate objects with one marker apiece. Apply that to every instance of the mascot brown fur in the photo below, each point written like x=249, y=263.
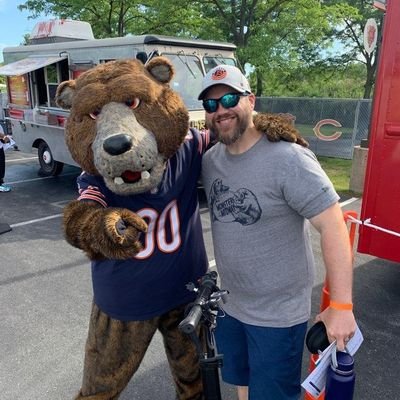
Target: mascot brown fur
x=137, y=217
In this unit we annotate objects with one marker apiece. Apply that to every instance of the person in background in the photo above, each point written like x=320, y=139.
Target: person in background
x=3, y=140
x=262, y=198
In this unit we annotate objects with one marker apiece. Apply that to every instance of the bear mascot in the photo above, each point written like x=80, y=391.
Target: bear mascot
x=137, y=217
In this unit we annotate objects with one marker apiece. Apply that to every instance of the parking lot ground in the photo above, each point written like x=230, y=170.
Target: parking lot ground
x=45, y=300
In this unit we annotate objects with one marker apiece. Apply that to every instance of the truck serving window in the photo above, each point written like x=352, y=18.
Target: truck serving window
x=47, y=79
x=188, y=77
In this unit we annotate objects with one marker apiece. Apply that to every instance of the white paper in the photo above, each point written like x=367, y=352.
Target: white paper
x=314, y=384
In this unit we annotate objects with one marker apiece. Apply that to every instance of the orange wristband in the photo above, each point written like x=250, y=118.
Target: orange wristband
x=341, y=306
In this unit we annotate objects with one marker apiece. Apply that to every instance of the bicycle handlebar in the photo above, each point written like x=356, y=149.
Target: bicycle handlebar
x=208, y=285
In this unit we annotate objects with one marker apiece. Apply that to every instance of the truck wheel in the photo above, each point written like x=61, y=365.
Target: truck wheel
x=48, y=166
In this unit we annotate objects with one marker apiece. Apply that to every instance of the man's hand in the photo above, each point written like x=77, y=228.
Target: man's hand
x=4, y=138
x=340, y=325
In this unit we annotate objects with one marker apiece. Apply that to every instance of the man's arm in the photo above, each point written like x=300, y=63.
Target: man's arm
x=338, y=259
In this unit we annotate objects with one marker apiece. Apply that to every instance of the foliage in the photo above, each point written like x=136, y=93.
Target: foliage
x=110, y=18
x=352, y=16
x=262, y=30
x=341, y=81
x=270, y=33
x=338, y=171
x=288, y=44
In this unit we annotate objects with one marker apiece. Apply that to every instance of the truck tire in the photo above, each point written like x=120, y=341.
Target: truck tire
x=48, y=166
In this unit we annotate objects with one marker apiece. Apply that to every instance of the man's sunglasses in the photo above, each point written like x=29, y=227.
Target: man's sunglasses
x=228, y=100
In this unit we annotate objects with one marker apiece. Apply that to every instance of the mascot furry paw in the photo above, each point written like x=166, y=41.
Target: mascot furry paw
x=137, y=218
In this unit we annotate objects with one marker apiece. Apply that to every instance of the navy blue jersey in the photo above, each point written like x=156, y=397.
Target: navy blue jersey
x=154, y=281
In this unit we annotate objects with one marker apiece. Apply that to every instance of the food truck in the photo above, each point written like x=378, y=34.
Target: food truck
x=59, y=50
x=379, y=233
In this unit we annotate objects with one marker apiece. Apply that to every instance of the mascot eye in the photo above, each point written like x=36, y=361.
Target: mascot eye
x=94, y=114
x=133, y=103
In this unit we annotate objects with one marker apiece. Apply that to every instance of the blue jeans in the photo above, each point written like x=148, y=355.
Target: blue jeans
x=267, y=360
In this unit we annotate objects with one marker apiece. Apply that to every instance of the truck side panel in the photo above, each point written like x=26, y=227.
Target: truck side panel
x=52, y=135
x=381, y=199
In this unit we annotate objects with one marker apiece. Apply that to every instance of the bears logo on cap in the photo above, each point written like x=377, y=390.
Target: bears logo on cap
x=218, y=74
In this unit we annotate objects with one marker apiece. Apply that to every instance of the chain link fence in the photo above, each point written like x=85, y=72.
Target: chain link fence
x=332, y=126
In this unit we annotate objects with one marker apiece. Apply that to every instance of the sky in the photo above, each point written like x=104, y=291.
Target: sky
x=14, y=24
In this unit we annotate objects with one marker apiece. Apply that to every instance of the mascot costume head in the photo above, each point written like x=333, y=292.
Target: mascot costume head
x=133, y=122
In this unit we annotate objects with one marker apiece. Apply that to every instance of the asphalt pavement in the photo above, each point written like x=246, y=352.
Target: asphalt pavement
x=45, y=300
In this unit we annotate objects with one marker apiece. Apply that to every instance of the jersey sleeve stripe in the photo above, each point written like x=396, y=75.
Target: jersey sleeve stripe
x=92, y=194
x=204, y=140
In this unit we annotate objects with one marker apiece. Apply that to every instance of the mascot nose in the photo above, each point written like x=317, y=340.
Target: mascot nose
x=117, y=144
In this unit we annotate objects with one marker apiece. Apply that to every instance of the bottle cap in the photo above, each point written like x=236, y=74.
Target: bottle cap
x=345, y=362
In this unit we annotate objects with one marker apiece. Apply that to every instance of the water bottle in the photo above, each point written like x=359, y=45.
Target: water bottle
x=340, y=378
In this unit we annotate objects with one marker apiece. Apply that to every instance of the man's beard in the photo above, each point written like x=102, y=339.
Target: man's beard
x=234, y=136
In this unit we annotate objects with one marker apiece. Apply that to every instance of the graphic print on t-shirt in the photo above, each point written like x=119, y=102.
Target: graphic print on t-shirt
x=233, y=206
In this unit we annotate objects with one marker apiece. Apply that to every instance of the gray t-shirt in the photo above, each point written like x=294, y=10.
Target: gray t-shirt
x=259, y=203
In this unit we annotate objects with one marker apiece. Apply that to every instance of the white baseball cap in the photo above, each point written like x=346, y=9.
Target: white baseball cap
x=225, y=75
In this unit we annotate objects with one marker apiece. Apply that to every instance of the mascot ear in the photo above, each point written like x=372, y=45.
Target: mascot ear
x=161, y=69
x=65, y=93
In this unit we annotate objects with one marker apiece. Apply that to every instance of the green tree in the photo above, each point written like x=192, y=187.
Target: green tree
x=270, y=33
x=352, y=16
x=292, y=39
x=317, y=81
x=111, y=18
x=267, y=32
x=280, y=38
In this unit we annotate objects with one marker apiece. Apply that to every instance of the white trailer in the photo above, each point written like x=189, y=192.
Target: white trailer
x=60, y=50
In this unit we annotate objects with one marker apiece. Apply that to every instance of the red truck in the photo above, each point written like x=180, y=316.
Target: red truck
x=379, y=235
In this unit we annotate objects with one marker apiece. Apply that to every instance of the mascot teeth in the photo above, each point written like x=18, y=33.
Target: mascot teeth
x=118, y=180
x=145, y=175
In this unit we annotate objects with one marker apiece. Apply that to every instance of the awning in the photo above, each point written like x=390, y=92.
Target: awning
x=29, y=64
